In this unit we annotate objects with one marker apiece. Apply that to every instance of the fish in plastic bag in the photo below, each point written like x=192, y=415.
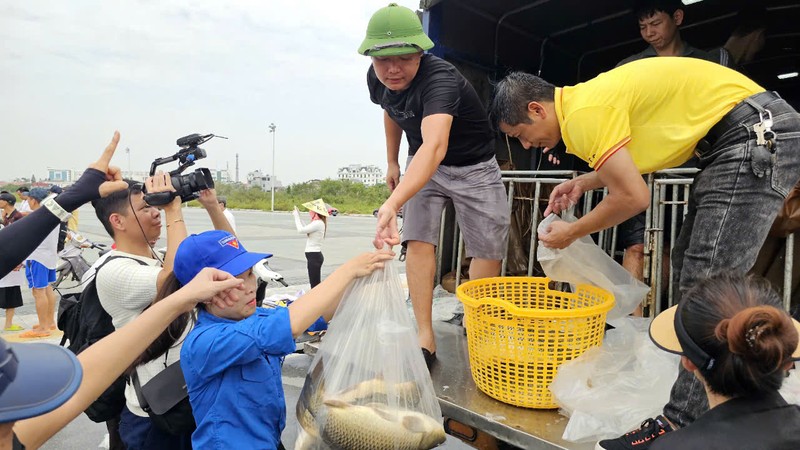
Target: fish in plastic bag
x=368, y=387
x=584, y=262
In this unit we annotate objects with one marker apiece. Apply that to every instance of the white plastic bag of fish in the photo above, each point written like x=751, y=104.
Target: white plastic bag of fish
x=368, y=387
x=584, y=262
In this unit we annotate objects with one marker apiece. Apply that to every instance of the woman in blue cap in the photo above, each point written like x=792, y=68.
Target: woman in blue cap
x=232, y=358
x=43, y=387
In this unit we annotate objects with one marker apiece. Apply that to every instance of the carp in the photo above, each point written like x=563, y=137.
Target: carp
x=375, y=427
x=359, y=418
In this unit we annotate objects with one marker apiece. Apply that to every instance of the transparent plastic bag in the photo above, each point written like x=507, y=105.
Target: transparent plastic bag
x=790, y=390
x=608, y=390
x=584, y=262
x=368, y=386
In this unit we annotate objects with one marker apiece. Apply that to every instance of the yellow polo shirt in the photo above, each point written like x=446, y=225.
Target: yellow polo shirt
x=658, y=108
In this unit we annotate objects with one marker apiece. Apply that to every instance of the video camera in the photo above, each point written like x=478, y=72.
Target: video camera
x=189, y=185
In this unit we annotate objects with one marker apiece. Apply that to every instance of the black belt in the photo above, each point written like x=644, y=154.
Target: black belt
x=734, y=118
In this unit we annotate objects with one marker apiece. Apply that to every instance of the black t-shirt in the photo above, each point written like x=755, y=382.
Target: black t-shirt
x=765, y=422
x=439, y=88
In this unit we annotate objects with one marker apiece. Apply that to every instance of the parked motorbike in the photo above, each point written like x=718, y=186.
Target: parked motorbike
x=265, y=275
x=72, y=264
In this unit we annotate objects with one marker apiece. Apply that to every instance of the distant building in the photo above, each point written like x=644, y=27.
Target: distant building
x=221, y=175
x=135, y=175
x=368, y=175
x=61, y=175
x=262, y=180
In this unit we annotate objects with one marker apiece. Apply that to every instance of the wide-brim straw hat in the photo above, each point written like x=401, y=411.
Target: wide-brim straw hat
x=318, y=206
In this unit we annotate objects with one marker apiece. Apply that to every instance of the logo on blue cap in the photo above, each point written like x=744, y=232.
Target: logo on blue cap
x=230, y=241
x=218, y=249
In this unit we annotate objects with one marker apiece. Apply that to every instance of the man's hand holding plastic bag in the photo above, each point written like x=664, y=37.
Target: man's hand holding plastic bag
x=368, y=386
x=584, y=262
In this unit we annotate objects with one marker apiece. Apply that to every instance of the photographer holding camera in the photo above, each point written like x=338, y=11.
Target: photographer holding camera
x=129, y=278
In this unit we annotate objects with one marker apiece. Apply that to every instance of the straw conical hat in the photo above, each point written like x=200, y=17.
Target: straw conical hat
x=318, y=206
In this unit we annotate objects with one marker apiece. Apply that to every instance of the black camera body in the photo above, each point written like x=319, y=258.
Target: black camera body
x=187, y=186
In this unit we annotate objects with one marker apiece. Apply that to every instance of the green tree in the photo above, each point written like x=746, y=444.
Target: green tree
x=347, y=196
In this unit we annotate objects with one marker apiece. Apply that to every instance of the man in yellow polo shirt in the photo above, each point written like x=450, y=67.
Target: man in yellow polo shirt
x=655, y=114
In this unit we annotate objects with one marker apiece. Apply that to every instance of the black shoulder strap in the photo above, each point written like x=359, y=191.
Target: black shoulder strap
x=137, y=387
x=141, y=263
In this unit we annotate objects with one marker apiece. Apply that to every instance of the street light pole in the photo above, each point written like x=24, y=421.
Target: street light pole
x=272, y=129
x=128, y=151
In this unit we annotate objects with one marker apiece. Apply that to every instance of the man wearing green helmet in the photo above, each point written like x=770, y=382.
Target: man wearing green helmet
x=451, y=158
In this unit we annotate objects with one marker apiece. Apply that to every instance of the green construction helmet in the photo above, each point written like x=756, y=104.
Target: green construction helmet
x=394, y=30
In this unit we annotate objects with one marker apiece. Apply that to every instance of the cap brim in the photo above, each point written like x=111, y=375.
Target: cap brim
x=243, y=262
x=662, y=333
x=47, y=376
x=415, y=44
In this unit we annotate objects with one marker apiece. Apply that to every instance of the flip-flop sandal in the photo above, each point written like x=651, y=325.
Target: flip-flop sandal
x=430, y=357
x=34, y=334
x=14, y=328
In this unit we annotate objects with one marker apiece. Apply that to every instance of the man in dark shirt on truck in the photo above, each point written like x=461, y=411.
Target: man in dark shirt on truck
x=451, y=158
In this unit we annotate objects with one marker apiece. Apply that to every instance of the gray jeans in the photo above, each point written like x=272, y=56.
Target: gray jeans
x=736, y=197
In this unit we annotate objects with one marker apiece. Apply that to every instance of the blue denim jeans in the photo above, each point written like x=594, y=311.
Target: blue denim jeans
x=139, y=433
x=736, y=197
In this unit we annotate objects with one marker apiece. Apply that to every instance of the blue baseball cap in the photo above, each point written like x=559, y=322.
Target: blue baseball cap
x=38, y=193
x=218, y=249
x=35, y=379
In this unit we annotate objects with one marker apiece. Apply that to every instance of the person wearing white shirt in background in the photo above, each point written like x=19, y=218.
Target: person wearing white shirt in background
x=24, y=207
x=315, y=231
x=225, y=211
x=40, y=270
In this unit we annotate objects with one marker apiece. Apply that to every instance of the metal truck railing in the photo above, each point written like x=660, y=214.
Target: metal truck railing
x=670, y=190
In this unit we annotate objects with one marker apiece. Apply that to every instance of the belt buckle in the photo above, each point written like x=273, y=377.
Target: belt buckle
x=702, y=147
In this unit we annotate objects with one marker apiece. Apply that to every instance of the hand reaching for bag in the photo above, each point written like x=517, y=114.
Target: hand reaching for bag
x=366, y=263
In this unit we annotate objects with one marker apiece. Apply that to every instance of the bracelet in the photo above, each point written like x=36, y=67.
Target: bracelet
x=56, y=209
x=175, y=221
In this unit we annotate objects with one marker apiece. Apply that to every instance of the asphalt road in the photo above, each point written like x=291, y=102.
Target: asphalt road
x=274, y=233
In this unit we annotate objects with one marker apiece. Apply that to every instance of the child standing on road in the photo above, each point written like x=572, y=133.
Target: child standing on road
x=40, y=272
x=232, y=358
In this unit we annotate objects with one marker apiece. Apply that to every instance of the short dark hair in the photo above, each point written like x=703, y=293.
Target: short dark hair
x=23, y=189
x=512, y=95
x=644, y=9
x=739, y=321
x=116, y=202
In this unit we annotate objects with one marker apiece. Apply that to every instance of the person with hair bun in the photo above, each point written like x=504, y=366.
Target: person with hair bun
x=734, y=336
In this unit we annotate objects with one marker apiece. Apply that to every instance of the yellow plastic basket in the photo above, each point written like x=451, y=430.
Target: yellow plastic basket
x=519, y=332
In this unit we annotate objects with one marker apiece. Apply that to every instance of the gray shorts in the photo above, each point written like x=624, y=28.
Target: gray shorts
x=480, y=202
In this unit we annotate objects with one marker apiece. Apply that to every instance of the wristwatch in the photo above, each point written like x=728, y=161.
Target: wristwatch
x=56, y=209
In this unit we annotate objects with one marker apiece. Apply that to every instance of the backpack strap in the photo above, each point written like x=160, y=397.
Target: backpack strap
x=138, y=389
x=141, y=263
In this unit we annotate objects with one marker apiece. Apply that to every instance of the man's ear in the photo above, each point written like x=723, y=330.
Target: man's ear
x=117, y=221
x=677, y=16
x=537, y=109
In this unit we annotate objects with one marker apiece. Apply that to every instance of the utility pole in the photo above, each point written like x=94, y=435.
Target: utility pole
x=128, y=152
x=237, y=168
x=272, y=129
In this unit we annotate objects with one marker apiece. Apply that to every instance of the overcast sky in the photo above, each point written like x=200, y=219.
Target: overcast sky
x=72, y=72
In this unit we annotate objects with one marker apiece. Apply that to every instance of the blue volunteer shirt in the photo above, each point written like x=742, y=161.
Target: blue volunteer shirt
x=233, y=374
